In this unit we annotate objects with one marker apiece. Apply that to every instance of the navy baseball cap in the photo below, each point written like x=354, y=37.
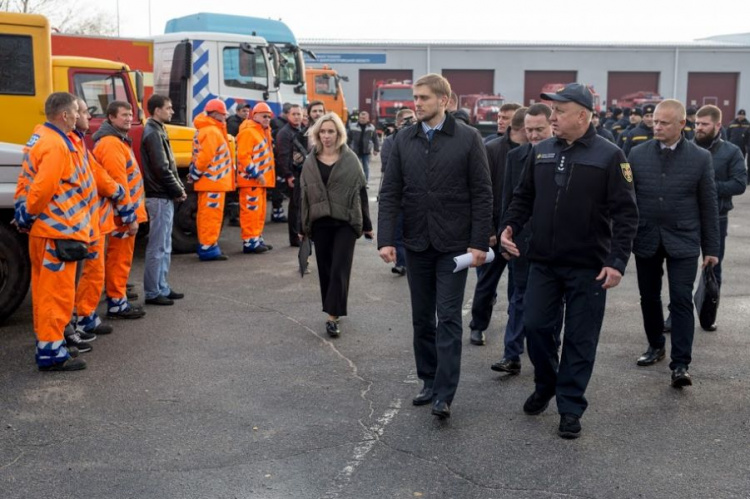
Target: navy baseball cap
x=572, y=92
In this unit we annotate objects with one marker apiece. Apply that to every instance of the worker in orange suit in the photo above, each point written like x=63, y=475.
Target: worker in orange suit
x=212, y=175
x=53, y=200
x=255, y=174
x=113, y=150
x=111, y=195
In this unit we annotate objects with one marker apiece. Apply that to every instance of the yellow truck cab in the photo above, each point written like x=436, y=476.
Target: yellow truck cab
x=324, y=84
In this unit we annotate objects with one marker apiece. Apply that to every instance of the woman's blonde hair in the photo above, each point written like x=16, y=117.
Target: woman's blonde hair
x=314, y=133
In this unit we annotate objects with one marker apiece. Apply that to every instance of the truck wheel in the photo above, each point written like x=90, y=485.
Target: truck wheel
x=184, y=231
x=15, y=270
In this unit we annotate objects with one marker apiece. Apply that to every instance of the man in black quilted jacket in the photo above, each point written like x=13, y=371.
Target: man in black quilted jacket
x=439, y=178
x=679, y=219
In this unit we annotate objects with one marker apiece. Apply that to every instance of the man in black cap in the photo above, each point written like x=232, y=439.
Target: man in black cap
x=621, y=124
x=737, y=133
x=689, y=130
x=615, y=115
x=643, y=132
x=600, y=130
x=578, y=189
x=635, y=118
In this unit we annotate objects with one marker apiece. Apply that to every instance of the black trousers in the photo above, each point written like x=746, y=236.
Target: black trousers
x=436, y=292
x=277, y=194
x=334, y=252
x=681, y=276
x=584, y=300
x=484, y=292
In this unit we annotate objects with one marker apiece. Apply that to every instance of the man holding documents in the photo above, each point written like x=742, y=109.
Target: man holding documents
x=577, y=187
x=438, y=176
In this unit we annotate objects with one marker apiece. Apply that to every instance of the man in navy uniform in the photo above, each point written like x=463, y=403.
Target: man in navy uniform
x=578, y=190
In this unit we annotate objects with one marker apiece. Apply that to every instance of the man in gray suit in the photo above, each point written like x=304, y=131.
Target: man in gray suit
x=679, y=219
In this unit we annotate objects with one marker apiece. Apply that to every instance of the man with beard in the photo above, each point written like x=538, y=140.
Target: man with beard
x=679, y=219
x=578, y=190
x=729, y=168
x=439, y=178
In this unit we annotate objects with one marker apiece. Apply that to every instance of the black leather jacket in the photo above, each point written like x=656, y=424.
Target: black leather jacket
x=160, y=177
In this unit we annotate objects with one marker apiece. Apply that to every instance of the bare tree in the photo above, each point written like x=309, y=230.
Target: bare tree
x=64, y=16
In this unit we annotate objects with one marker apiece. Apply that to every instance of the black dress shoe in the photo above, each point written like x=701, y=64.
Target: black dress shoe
x=570, y=426
x=424, y=397
x=711, y=328
x=681, y=377
x=441, y=409
x=507, y=366
x=174, y=295
x=159, y=300
x=477, y=337
x=332, y=328
x=536, y=404
x=651, y=357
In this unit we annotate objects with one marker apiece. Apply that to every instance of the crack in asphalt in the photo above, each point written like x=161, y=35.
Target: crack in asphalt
x=478, y=484
x=14, y=461
x=352, y=366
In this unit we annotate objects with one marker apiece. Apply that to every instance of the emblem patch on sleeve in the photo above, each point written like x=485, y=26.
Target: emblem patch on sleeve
x=626, y=171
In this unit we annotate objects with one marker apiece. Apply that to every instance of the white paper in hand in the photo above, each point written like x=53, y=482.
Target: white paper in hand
x=464, y=261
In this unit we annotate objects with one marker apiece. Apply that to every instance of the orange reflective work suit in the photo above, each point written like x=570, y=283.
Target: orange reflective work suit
x=255, y=161
x=113, y=151
x=212, y=171
x=54, y=198
x=91, y=280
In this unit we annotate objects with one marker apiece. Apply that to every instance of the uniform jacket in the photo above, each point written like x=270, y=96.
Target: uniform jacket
x=676, y=197
x=255, y=156
x=160, y=176
x=110, y=194
x=582, y=201
x=339, y=199
x=55, y=194
x=603, y=132
x=737, y=132
x=368, y=139
x=619, y=127
x=731, y=176
x=212, y=167
x=443, y=188
x=637, y=136
x=113, y=151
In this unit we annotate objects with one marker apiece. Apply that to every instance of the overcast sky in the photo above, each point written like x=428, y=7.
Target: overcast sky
x=522, y=20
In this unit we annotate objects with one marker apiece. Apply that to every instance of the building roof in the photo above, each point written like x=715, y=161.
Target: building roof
x=724, y=41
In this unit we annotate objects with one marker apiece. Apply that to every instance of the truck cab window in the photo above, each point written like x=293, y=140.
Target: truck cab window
x=325, y=85
x=243, y=70
x=289, y=73
x=98, y=90
x=17, y=63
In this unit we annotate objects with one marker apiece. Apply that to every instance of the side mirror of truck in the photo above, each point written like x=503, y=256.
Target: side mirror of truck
x=139, y=86
x=247, y=48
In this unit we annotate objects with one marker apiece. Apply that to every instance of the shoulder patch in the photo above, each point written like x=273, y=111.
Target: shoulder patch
x=32, y=140
x=626, y=172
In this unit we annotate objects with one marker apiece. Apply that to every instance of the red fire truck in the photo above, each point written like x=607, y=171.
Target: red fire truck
x=483, y=108
x=388, y=97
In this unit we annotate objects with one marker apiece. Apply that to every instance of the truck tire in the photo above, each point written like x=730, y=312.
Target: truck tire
x=15, y=270
x=184, y=230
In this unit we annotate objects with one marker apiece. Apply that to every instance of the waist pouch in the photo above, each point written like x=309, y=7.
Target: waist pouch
x=69, y=250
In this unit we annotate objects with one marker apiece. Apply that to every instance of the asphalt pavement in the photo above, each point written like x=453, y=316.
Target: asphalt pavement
x=237, y=392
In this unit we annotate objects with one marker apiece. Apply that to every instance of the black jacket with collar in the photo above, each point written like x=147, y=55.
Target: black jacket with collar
x=160, y=177
x=677, y=200
x=731, y=176
x=443, y=188
x=582, y=201
x=497, y=155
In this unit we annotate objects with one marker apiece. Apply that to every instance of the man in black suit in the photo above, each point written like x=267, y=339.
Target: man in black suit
x=679, y=218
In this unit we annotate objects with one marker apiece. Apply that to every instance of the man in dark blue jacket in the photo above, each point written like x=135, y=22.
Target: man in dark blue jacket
x=577, y=189
x=439, y=179
x=729, y=168
x=679, y=219
x=738, y=131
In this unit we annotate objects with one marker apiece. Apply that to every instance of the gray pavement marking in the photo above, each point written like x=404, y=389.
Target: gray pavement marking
x=370, y=437
x=467, y=307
